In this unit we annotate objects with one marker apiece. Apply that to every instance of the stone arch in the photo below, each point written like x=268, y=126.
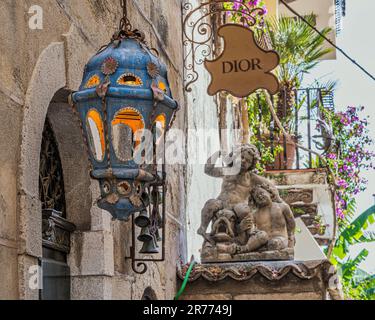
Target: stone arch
x=48, y=77
x=47, y=97
x=74, y=159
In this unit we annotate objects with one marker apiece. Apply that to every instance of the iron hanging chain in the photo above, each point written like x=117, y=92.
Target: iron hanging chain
x=126, y=30
x=125, y=24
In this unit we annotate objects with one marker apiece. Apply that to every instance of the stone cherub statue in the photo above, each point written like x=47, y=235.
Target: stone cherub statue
x=249, y=219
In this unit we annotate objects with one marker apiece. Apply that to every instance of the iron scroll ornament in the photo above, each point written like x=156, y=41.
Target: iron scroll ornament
x=198, y=33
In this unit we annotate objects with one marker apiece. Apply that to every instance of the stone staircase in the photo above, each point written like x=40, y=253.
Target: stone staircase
x=308, y=194
x=302, y=205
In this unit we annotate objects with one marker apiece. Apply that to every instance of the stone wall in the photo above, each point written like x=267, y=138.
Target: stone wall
x=38, y=69
x=272, y=280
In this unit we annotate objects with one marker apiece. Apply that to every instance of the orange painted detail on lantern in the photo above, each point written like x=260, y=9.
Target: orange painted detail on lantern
x=94, y=81
x=130, y=117
x=94, y=116
x=161, y=119
x=130, y=79
x=160, y=123
x=162, y=86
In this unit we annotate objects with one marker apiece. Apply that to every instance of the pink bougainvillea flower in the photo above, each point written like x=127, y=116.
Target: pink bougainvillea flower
x=342, y=183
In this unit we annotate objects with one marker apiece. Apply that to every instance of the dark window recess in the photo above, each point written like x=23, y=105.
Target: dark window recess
x=55, y=228
x=51, y=182
x=129, y=79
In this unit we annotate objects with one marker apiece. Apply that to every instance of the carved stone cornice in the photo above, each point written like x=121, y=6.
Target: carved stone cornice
x=273, y=271
x=294, y=195
x=56, y=231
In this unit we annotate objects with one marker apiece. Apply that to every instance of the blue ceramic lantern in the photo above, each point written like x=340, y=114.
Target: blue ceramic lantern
x=124, y=92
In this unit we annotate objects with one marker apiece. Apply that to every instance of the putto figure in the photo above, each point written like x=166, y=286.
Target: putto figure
x=249, y=219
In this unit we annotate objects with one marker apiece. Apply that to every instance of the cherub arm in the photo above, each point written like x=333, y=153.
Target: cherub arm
x=290, y=222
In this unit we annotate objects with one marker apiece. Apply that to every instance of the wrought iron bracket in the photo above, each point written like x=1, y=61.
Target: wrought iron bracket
x=139, y=265
x=199, y=33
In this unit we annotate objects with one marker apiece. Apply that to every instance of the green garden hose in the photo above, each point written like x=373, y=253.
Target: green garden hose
x=184, y=283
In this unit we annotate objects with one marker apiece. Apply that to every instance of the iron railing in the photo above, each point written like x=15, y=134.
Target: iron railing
x=301, y=116
x=340, y=12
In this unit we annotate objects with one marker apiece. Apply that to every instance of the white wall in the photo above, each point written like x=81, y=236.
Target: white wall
x=202, y=116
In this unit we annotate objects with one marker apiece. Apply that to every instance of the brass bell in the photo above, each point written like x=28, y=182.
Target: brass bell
x=142, y=220
x=149, y=247
x=145, y=235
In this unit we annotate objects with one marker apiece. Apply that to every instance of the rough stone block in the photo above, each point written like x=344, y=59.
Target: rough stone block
x=30, y=226
x=91, y=288
x=92, y=254
x=8, y=273
x=9, y=146
x=8, y=221
x=122, y=287
x=100, y=220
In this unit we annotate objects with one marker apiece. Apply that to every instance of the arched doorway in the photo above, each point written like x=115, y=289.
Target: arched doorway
x=56, y=229
x=47, y=98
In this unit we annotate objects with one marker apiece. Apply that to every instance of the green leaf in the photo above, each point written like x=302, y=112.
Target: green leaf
x=367, y=237
x=339, y=252
x=351, y=265
x=371, y=219
x=358, y=235
x=300, y=47
x=358, y=225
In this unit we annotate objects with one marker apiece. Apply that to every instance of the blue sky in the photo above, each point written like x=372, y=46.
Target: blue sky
x=354, y=87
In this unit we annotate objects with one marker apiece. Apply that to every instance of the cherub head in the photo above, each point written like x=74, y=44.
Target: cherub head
x=261, y=197
x=247, y=156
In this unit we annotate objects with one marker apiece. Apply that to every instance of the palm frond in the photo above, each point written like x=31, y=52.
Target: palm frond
x=368, y=236
x=351, y=265
x=299, y=46
x=354, y=232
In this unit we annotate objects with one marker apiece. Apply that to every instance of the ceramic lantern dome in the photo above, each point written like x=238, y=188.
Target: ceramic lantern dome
x=124, y=93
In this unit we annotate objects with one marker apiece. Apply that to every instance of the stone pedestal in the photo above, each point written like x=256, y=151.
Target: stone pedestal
x=262, y=280
x=213, y=256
